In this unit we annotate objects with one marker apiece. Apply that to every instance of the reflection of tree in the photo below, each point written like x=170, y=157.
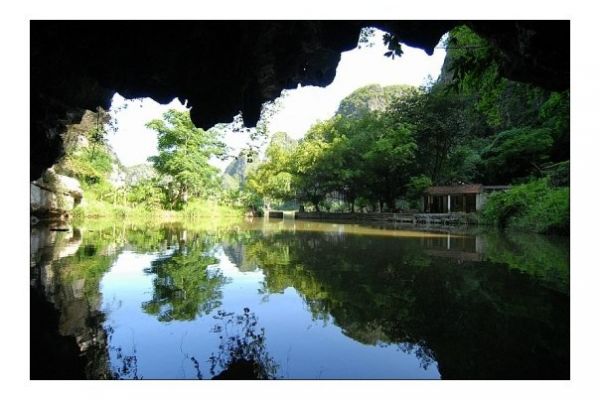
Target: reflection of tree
x=242, y=353
x=281, y=272
x=544, y=257
x=476, y=319
x=183, y=286
x=124, y=366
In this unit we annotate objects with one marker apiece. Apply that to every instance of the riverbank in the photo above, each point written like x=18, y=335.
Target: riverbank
x=406, y=218
x=95, y=210
x=421, y=219
x=539, y=206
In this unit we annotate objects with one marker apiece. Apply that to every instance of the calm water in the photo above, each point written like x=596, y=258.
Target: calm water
x=292, y=299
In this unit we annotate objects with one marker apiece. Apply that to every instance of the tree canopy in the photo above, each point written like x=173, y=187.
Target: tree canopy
x=184, y=154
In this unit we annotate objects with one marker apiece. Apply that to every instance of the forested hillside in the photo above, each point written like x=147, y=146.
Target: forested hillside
x=386, y=145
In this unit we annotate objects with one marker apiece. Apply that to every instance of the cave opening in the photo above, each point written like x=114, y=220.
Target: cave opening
x=79, y=65
x=134, y=154
x=207, y=149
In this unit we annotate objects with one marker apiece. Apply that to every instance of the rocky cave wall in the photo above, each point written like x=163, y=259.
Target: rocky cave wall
x=224, y=67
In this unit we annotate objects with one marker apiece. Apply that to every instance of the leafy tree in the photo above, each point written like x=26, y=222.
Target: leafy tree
x=517, y=153
x=389, y=151
x=555, y=115
x=184, y=154
x=92, y=166
x=416, y=187
x=271, y=180
x=147, y=192
x=315, y=165
x=438, y=123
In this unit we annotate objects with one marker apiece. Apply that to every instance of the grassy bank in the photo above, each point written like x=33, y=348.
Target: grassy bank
x=92, y=208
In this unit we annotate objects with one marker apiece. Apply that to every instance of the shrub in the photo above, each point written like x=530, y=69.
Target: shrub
x=534, y=206
x=558, y=174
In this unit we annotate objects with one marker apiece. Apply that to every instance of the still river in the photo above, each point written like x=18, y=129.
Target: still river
x=292, y=299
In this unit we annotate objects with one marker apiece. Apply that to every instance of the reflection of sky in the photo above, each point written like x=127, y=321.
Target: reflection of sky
x=303, y=348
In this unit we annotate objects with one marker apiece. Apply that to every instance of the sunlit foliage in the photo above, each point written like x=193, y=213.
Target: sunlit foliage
x=184, y=154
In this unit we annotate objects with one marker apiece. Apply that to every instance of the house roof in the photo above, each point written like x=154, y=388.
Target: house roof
x=455, y=189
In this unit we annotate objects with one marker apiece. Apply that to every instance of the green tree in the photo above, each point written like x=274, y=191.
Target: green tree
x=272, y=179
x=555, y=115
x=438, y=123
x=416, y=187
x=314, y=165
x=389, y=151
x=147, y=192
x=184, y=154
x=517, y=153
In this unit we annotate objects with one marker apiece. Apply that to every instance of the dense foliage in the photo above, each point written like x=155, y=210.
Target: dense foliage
x=180, y=178
x=535, y=206
x=385, y=146
x=184, y=154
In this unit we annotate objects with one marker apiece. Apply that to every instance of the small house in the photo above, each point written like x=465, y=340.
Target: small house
x=457, y=198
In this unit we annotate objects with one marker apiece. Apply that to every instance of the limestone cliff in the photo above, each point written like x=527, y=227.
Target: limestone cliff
x=53, y=195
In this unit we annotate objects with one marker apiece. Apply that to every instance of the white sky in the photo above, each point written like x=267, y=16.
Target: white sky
x=132, y=141
x=299, y=109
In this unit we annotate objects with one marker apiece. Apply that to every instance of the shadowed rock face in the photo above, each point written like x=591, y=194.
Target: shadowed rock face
x=223, y=67
x=67, y=339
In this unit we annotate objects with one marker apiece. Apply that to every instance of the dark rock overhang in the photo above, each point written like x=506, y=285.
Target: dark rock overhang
x=224, y=67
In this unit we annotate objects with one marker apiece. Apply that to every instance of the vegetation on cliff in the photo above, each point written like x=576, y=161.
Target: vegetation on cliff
x=178, y=184
x=384, y=146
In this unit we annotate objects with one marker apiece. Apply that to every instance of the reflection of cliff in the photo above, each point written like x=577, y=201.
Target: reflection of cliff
x=51, y=243
x=236, y=254
x=65, y=306
x=482, y=320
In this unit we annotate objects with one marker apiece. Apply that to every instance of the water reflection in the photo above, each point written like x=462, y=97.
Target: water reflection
x=183, y=287
x=466, y=318
x=395, y=303
x=241, y=353
x=67, y=337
